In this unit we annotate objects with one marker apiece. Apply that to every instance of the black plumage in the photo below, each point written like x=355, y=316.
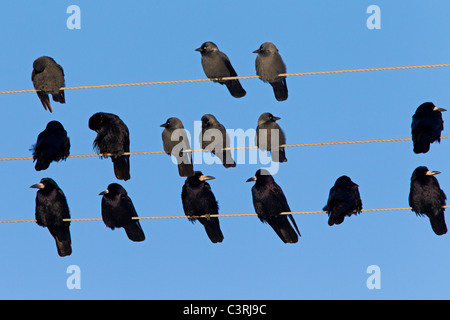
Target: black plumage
x=214, y=138
x=51, y=209
x=216, y=64
x=48, y=78
x=269, y=202
x=344, y=200
x=118, y=211
x=269, y=65
x=198, y=199
x=52, y=145
x=427, y=198
x=175, y=140
x=112, y=137
x=270, y=136
x=426, y=127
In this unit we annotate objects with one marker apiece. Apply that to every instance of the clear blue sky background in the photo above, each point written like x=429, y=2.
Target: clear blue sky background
x=148, y=41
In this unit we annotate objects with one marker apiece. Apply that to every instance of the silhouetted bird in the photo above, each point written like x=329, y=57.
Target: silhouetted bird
x=48, y=78
x=343, y=200
x=427, y=198
x=269, y=202
x=118, y=210
x=266, y=130
x=52, y=145
x=426, y=126
x=112, y=137
x=51, y=209
x=212, y=130
x=268, y=66
x=198, y=200
x=217, y=65
x=175, y=140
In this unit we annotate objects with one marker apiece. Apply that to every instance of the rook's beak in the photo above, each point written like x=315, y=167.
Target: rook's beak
x=38, y=186
x=251, y=179
x=431, y=173
x=103, y=192
x=439, y=109
x=205, y=178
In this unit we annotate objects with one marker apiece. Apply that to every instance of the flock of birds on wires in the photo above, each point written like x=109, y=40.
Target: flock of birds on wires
x=198, y=200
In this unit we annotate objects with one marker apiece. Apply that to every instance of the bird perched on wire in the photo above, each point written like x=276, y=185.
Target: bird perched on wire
x=270, y=136
x=175, y=140
x=214, y=138
x=198, y=200
x=269, y=202
x=216, y=64
x=118, y=211
x=426, y=126
x=52, y=145
x=51, y=209
x=344, y=200
x=112, y=138
x=427, y=198
x=48, y=78
x=269, y=66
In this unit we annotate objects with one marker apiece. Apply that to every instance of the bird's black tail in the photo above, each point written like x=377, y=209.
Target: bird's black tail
x=185, y=169
x=279, y=155
x=227, y=159
x=421, y=143
x=42, y=163
x=235, y=88
x=134, y=231
x=280, y=90
x=45, y=100
x=121, y=167
x=61, y=234
x=212, y=229
x=59, y=97
x=438, y=224
x=284, y=229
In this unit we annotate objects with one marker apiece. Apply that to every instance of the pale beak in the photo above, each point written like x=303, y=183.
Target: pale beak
x=251, y=179
x=38, y=186
x=103, y=192
x=205, y=178
x=439, y=109
x=432, y=173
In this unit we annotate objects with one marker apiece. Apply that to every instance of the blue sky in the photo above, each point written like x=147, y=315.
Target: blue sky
x=135, y=41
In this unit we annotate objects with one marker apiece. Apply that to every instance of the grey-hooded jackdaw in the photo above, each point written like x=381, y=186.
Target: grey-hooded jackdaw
x=217, y=65
x=214, y=138
x=270, y=136
x=268, y=66
x=48, y=78
x=175, y=140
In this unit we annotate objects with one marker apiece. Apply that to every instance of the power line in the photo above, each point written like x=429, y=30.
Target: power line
x=230, y=148
x=238, y=77
x=214, y=215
